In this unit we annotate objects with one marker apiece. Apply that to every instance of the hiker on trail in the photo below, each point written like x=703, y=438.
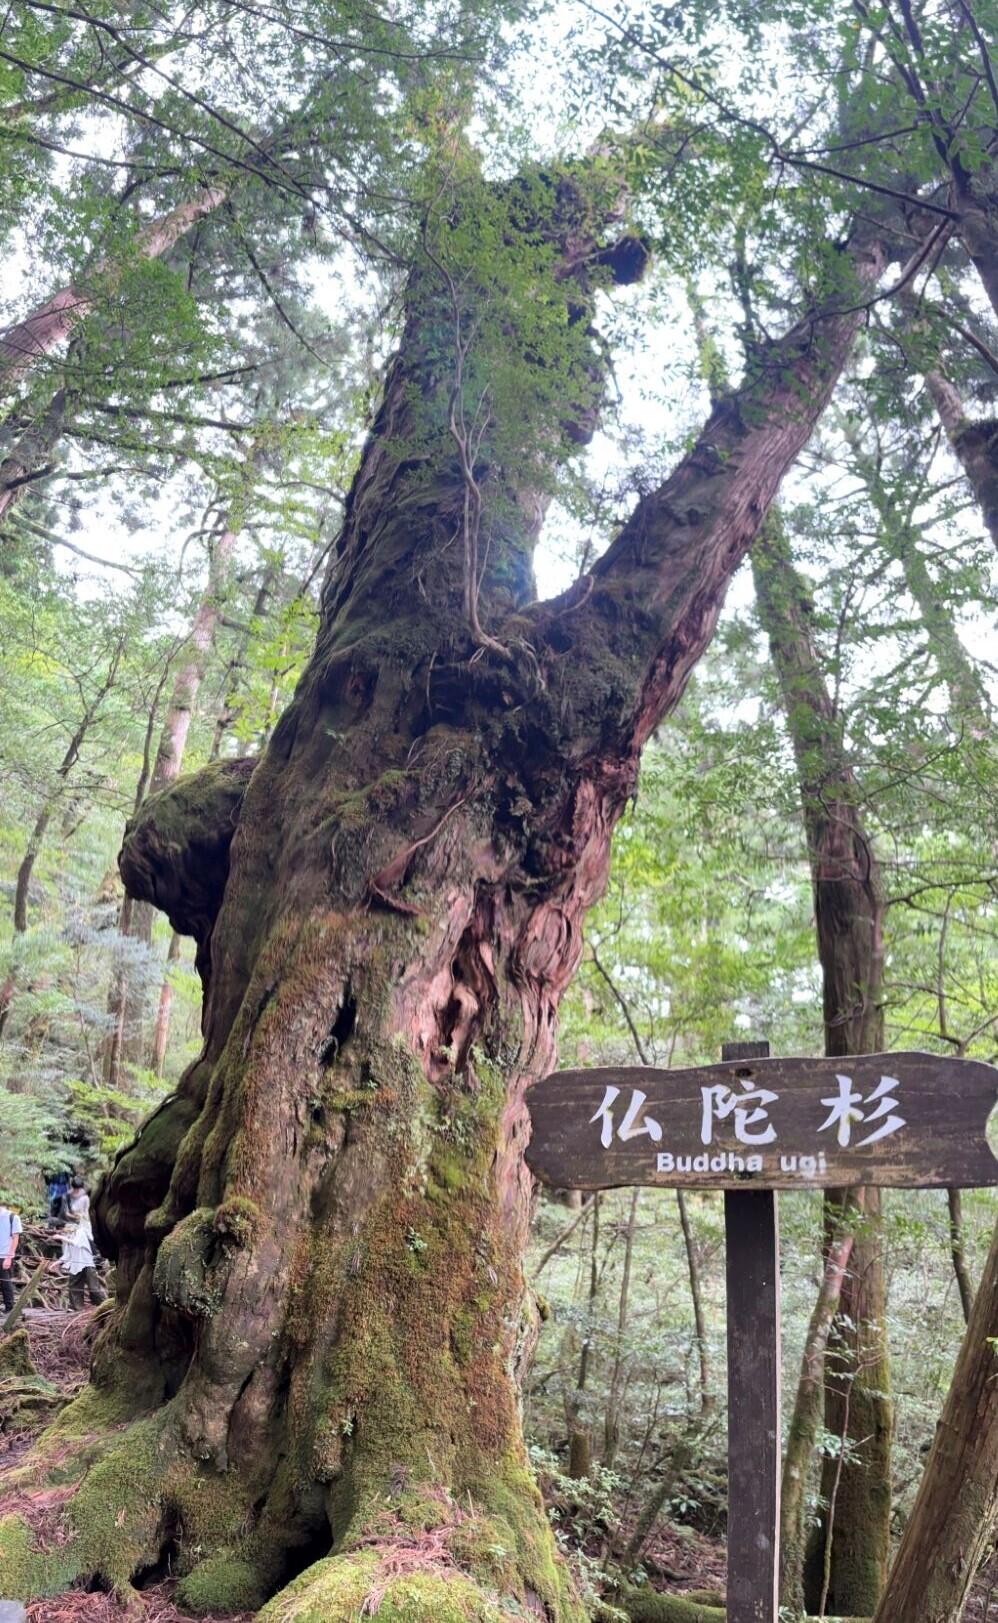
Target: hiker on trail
x=58, y=1194
x=78, y=1260
x=10, y=1233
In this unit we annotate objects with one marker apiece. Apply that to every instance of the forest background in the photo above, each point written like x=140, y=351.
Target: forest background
x=210, y=219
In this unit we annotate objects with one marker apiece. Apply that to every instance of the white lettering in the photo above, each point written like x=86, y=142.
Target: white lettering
x=749, y=1109
x=844, y=1111
x=634, y=1125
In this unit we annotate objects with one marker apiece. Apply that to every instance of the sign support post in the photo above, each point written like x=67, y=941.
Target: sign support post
x=752, y=1243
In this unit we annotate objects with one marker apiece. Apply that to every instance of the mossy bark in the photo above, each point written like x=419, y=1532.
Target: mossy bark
x=309, y=1388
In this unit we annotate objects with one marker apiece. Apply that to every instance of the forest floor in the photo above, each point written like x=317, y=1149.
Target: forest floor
x=676, y=1558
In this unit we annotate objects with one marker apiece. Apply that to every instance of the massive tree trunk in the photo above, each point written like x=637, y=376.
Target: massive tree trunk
x=321, y=1308
x=847, y=1562
x=956, y=1509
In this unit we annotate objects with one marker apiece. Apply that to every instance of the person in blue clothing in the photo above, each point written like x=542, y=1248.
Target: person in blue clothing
x=58, y=1191
x=10, y=1233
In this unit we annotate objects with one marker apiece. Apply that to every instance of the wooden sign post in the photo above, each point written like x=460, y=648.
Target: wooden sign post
x=751, y=1126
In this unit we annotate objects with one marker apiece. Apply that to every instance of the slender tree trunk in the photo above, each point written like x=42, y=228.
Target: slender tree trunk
x=161, y=1032
x=231, y=686
x=968, y=696
x=805, y=1424
x=980, y=238
x=696, y=1297
x=651, y=1509
x=956, y=1509
x=129, y=996
x=974, y=444
x=849, y=1558
x=22, y=888
x=25, y=342
x=319, y=1235
x=958, y=1252
x=692, y=1262
x=580, y=1439
x=611, y=1422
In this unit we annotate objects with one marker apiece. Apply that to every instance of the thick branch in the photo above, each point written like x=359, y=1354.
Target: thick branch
x=659, y=589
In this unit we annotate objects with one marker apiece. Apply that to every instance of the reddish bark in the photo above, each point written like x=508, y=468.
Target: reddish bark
x=25, y=342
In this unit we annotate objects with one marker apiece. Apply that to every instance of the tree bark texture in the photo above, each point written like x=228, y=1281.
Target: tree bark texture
x=27, y=459
x=956, y=1509
x=974, y=444
x=847, y=1561
x=321, y=1310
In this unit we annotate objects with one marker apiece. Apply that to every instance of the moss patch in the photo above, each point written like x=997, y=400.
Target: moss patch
x=186, y=1275
x=223, y=1583
x=335, y=1591
x=26, y=1571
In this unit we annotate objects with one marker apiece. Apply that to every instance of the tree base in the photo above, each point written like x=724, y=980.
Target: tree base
x=132, y=1494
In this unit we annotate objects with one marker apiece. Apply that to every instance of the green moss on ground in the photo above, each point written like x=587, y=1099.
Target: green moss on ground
x=24, y=1394
x=336, y=1590
x=26, y=1571
x=138, y=1481
x=223, y=1583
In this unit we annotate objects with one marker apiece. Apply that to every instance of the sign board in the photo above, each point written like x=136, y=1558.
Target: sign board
x=911, y=1121
x=750, y=1126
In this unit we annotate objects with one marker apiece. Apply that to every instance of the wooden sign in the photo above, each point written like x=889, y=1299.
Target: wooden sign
x=750, y=1126
x=901, y=1120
